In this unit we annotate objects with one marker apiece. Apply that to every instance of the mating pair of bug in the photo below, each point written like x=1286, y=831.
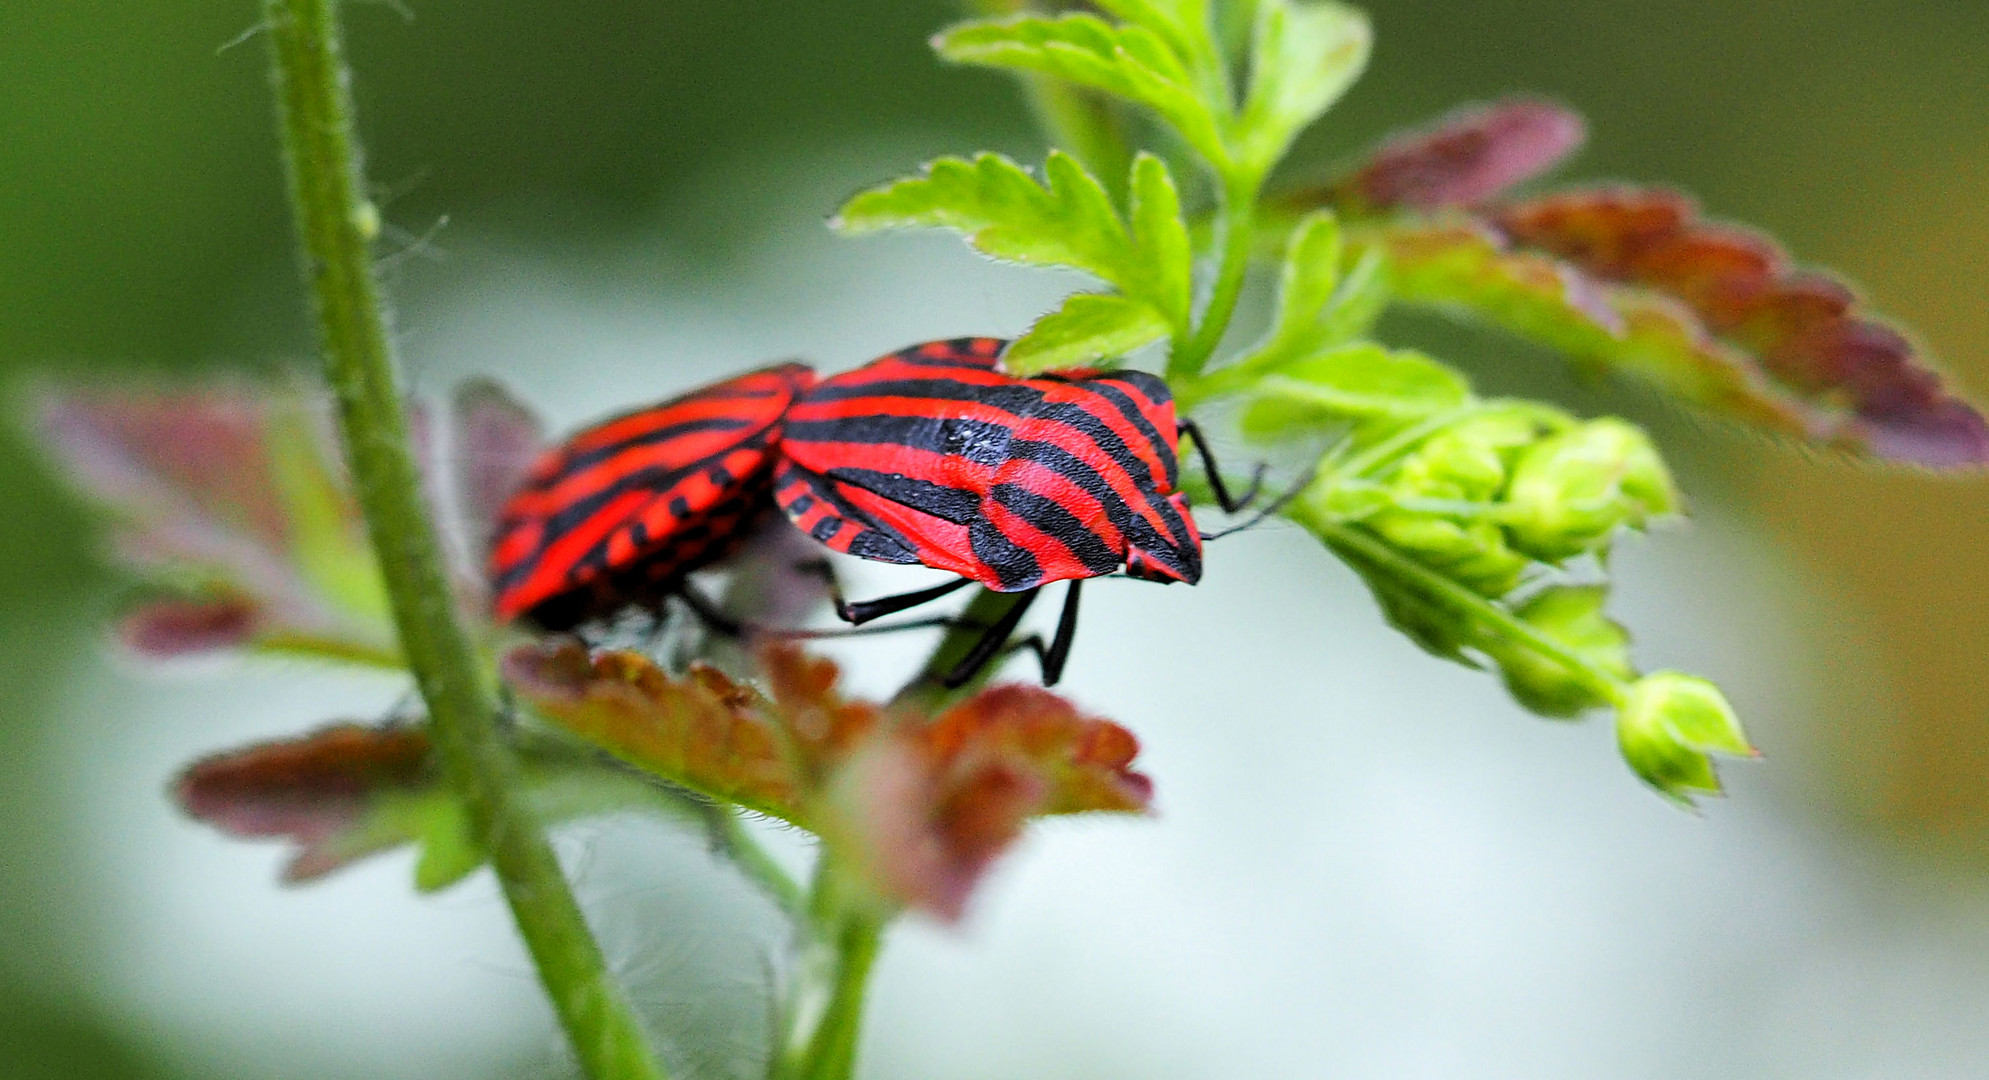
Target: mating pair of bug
x=927, y=455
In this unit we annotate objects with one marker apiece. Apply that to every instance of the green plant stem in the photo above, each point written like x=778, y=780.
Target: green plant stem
x=1444, y=593
x=825, y=1009
x=1236, y=226
x=335, y=227
x=927, y=693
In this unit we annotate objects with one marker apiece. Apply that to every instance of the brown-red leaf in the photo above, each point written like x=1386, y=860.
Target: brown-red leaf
x=923, y=814
x=164, y=629
x=918, y=807
x=316, y=791
x=1461, y=264
x=1462, y=160
x=1806, y=329
x=703, y=731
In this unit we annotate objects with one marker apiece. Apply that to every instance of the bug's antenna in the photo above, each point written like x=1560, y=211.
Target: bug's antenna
x=1268, y=511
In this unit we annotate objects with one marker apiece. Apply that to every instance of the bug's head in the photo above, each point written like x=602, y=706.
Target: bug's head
x=1166, y=556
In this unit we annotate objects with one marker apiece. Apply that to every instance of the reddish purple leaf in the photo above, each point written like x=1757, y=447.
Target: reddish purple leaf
x=233, y=500
x=1806, y=329
x=349, y=791
x=316, y=791
x=1462, y=160
x=165, y=629
x=496, y=440
x=1460, y=264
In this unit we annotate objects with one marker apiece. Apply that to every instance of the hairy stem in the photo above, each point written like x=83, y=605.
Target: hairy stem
x=825, y=1011
x=825, y=1008
x=335, y=227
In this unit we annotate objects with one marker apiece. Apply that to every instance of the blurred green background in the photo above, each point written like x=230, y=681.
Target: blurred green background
x=145, y=235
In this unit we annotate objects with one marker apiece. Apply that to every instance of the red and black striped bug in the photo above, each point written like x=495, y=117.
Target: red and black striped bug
x=930, y=455
x=618, y=514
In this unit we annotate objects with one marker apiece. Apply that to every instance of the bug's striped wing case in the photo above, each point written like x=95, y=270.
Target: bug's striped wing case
x=930, y=455
x=621, y=511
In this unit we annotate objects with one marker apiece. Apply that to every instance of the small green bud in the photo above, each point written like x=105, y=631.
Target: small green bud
x=1669, y=727
x=1472, y=552
x=1468, y=460
x=1572, y=615
x=1694, y=710
x=1571, y=491
x=366, y=221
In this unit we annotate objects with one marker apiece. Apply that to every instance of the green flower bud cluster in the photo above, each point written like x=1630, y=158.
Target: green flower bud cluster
x=1570, y=492
x=1668, y=724
x=1471, y=463
x=1459, y=515
x=1484, y=499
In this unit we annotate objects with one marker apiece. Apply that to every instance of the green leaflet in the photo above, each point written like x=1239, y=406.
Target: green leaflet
x=1303, y=57
x=1183, y=23
x=1068, y=221
x=1131, y=62
x=1311, y=272
x=1358, y=382
x=1086, y=331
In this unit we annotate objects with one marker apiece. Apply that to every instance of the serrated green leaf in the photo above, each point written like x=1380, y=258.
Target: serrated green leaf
x=1131, y=62
x=1183, y=24
x=1303, y=57
x=1067, y=222
x=1162, y=237
x=1318, y=308
x=1360, y=382
x=1087, y=329
x=1357, y=305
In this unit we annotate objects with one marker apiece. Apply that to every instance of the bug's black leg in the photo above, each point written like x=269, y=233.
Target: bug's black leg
x=863, y=611
x=990, y=644
x=937, y=622
x=1053, y=658
x=706, y=611
x=1229, y=505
